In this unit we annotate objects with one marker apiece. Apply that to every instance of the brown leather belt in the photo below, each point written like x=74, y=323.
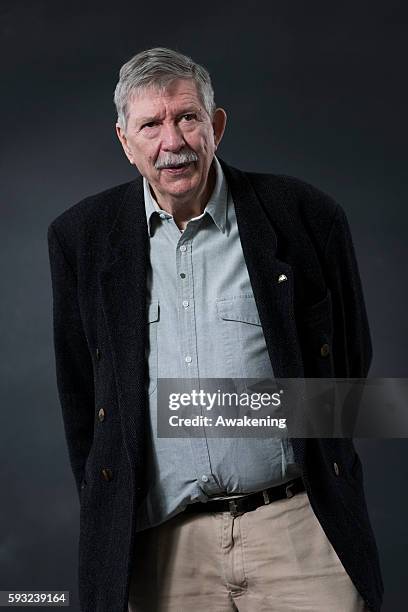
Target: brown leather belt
x=249, y=502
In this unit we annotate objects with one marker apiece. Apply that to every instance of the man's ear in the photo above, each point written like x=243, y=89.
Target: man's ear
x=219, y=122
x=123, y=141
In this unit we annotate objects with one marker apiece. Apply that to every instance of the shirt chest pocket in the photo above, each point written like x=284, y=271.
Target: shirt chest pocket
x=153, y=317
x=241, y=338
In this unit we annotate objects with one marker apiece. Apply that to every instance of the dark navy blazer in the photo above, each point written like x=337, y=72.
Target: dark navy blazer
x=98, y=252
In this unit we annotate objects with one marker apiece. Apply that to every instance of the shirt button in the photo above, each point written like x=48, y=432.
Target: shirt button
x=101, y=415
x=204, y=478
x=183, y=248
x=336, y=468
x=182, y=275
x=188, y=359
x=185, y=303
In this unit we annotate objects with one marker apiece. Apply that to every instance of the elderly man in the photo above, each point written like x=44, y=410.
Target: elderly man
x=197, y=269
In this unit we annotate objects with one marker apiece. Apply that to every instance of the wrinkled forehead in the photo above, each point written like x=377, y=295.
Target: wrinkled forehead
x=153, y=93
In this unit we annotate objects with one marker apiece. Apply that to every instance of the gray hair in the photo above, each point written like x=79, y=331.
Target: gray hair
x=157, y=67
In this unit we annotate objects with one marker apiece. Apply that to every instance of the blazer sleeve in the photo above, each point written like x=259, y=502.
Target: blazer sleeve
x=352, y=346
x=73, y=362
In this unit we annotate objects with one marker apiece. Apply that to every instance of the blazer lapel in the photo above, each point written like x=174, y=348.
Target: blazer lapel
x=271, y=278
x=122, y=281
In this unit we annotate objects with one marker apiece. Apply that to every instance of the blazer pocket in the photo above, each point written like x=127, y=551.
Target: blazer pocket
x=315, y=326
x=153, y=316
x=319, y=311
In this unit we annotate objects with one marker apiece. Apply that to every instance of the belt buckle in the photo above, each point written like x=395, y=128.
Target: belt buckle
x=233, y=508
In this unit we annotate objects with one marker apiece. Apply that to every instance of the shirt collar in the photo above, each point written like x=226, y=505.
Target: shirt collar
x=216, y=206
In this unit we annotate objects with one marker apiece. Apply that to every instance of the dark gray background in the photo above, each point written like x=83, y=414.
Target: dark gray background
x=316, y=90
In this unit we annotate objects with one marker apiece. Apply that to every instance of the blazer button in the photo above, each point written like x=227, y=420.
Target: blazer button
x=83, y=484
x=324, y=350
x=101, y=415
x=336, y=468
x=98, y=354
x=107, y=474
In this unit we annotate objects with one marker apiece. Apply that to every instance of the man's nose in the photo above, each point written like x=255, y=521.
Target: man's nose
x=172, y=137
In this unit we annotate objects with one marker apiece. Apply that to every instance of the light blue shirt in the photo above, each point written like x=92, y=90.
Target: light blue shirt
x=204, y=324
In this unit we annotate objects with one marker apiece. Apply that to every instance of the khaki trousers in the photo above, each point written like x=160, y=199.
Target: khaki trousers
x=274, y=558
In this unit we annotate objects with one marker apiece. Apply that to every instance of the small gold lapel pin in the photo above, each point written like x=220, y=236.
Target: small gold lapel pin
x=282, y=278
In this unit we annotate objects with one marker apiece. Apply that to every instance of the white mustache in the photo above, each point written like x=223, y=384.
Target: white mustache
x=174, y=160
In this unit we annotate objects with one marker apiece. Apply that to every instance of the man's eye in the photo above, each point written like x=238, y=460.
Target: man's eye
x=189, y=116
x=150, y=124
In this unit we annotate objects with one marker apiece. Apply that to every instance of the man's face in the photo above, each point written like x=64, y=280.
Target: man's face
x=168, y=129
